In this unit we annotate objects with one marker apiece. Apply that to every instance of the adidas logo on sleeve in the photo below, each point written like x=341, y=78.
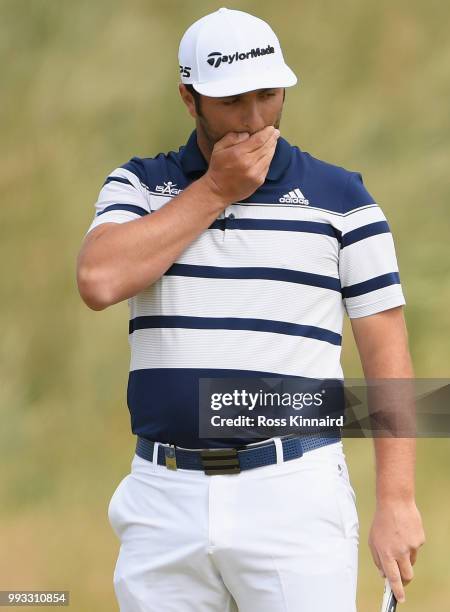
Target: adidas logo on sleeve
x=294, y=197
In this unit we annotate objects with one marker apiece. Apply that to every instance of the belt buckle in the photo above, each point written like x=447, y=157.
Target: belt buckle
x=170, y=457
x=220, y=461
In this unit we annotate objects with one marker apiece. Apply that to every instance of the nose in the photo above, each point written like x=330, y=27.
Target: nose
x=252, y=118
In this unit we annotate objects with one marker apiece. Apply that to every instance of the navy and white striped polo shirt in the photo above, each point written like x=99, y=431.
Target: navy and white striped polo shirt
x=261, y=292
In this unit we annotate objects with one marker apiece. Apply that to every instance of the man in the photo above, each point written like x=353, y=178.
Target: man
x=239, y=255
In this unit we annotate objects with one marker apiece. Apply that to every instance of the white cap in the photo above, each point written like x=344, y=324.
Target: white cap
x=230, y=52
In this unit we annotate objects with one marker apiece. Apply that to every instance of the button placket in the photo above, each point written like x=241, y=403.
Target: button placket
x=228, y=216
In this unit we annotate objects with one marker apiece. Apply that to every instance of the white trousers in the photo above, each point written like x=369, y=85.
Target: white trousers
x=279, y=538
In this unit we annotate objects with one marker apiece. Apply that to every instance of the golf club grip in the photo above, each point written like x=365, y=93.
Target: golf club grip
x=389, y=601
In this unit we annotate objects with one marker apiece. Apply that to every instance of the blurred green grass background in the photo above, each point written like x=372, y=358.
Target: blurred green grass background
x=84, y=87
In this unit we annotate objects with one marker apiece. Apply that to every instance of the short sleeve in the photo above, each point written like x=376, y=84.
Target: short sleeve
x=368, y=267
x=124, y=195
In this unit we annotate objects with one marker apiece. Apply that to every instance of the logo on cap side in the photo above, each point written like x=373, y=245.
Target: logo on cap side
x=185, y=71
x=216, y=58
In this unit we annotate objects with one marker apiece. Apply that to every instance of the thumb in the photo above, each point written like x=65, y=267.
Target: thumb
x=230, y=139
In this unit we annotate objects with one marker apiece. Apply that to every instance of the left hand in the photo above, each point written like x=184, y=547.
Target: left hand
x=395, y=537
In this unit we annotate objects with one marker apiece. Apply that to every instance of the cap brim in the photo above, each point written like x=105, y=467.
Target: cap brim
x=233, y=87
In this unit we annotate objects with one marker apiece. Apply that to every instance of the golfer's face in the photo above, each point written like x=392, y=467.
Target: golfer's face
x=249, y=112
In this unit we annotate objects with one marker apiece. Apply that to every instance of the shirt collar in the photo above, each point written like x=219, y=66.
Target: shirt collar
x=193, y=162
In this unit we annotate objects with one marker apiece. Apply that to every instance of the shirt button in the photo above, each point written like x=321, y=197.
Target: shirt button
x=230, y=216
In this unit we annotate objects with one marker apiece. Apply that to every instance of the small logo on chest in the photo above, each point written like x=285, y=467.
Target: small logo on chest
x=294, y=197
x=168, y=188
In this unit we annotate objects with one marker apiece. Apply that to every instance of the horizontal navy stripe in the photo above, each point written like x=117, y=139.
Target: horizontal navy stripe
x=131, y=207
x=117, y=179
x=378, y=282
x=276, y=274
x=281, y=225
x=218, y=224
x=164, y=402
x=260, y=325
x=371, y=229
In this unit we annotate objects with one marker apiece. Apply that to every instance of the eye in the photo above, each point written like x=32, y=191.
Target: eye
x=230, y=102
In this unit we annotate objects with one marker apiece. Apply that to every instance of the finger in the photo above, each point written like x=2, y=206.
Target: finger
x=405, y=567
x=230, y=140
x=263, y=163
x=258, y=139
x=376, y=560
x=392, y=573
x=266, y=151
